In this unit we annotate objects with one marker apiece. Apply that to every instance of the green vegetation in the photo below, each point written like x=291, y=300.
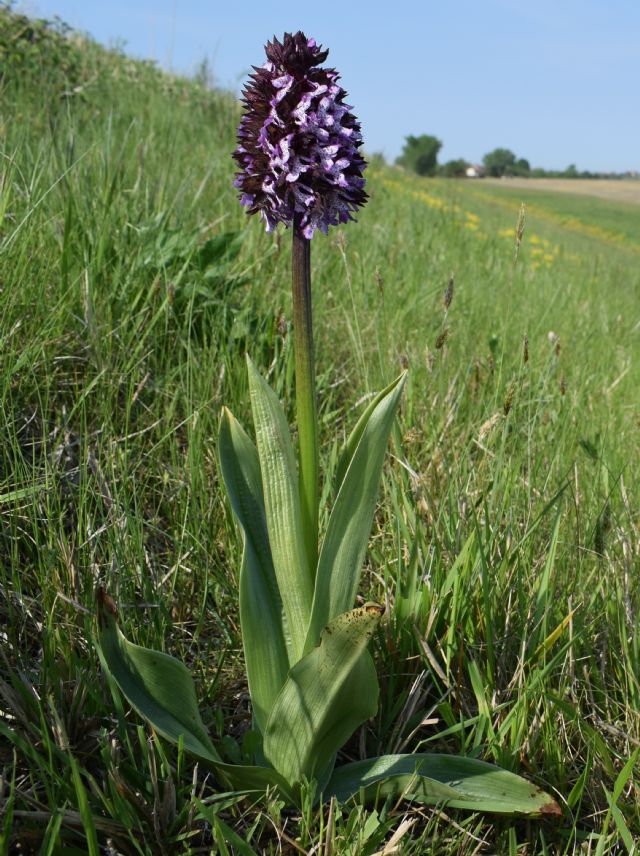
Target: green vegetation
x=505, y=542
x=420, y=154
x=501, y=162
x=455, y=168
x=610, y=223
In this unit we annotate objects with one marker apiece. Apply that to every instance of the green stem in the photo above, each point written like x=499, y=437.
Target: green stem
x=305, y=392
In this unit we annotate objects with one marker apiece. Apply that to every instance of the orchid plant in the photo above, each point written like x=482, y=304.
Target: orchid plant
x=311, y=677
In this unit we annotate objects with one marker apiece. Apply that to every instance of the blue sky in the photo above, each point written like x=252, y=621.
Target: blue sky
x=556, y=81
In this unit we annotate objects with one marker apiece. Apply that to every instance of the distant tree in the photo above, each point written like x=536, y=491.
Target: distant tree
x=499, y=162
x=455, y=168
x=571, y=171
x=522, y=167
x=420, y=154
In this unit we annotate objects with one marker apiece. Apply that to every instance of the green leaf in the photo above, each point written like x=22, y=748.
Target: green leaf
x=349, y=528
x=85, y=809
x=354, y=437
x=220, y=248
x=224, y=833
x=261, y=617
x=282, y=506
x=590, y=735
x=446, y=780
x=7, y=809
x=253, y=779
x=158, y=686
x=161, y=690
x=328, y=694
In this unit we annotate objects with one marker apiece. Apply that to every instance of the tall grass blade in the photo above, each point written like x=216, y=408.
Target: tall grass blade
x=88, y=824
x=7, y=810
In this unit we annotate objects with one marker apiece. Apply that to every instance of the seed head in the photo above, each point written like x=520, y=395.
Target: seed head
x=508, y=399
x=442, y=338
x=379, y=281
x=281, y=325
x=298, y=141
x=448, y=295
x=519, y=229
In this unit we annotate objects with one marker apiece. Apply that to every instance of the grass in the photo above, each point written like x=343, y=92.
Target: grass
x=506, y=538
x=605, y=220
x=617, y=189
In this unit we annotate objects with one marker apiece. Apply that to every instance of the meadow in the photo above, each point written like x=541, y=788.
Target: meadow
x=506, y=537
x=619, y=190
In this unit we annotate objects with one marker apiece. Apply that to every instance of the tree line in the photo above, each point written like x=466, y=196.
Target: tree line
x=420, y=155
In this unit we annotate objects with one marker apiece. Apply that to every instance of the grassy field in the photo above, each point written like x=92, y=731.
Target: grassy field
x=625, y=190
x=605, y=220
x=506, y=538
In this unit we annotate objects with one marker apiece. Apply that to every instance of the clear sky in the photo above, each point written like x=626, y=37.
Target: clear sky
x=556, y=81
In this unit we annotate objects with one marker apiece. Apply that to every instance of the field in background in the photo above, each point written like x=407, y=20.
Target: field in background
x=506, y=539
x=612, y=224
x=619, y=191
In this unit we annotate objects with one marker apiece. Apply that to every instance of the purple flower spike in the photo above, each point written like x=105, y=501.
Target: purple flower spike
x=298, y=141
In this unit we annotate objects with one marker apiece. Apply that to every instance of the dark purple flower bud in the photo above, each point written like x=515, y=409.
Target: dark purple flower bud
x=298, y=141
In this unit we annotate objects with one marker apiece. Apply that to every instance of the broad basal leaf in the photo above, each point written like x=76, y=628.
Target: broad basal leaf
x=349, y=528
x=261, y=614
x=161, y=690
x=328, y=694
x=158, y=686
x=282, y=507
x=252, y=779
x=441, y=779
